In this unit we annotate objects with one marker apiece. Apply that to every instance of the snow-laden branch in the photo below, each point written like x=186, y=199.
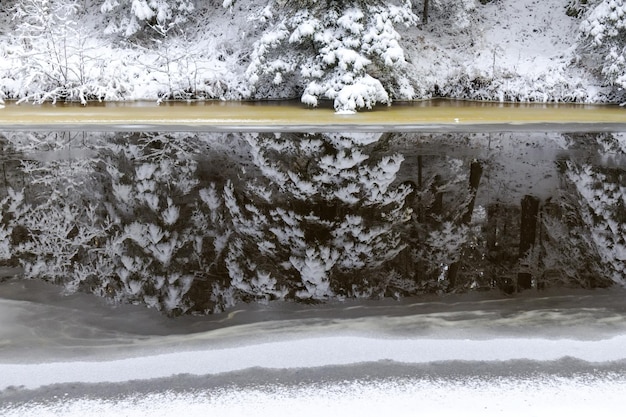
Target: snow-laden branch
x=334, y=48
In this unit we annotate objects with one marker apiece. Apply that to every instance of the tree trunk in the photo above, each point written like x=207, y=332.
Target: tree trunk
x=425, y=12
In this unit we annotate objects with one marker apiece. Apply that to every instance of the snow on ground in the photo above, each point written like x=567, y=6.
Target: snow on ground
x=513, y=50
x=474, y=354
x=549, y=396
x=530, y=43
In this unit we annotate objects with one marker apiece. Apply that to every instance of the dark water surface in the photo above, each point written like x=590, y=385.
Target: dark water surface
x=199, y=221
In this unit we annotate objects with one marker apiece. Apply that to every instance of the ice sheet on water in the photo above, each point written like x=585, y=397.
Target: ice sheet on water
x=81, y=320
x=482, y=343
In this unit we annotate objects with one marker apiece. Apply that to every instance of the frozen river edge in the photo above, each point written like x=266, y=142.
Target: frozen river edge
x=531, y=353
x=309, y=353
x=473, y=388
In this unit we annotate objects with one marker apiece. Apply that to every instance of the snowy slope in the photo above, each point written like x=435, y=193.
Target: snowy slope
x=512, y=51
x=526, y=36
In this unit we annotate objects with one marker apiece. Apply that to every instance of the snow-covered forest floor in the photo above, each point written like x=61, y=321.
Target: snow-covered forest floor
x=509, y=51
x=506, y=50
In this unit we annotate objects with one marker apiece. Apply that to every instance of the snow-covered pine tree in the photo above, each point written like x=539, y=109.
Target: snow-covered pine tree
x=603, y=32
x=345, y=51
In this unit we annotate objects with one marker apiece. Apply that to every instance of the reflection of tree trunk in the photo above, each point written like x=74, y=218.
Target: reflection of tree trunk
x=493, y=211
x=492, y=226
x=437, y=207
x=4, y=172
x=528, y=228
x=419, y=265
x=420, y=205
x=476, y=171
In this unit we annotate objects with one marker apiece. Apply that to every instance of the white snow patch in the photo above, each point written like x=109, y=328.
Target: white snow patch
x=403, y=397
x=306, y=353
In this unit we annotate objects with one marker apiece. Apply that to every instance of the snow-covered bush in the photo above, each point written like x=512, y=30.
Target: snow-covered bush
x=550, y=86
x=178, y=67
x=576, y=8
x=55, y=59
x=130, y=16
x=332, y=50
x=604, y=34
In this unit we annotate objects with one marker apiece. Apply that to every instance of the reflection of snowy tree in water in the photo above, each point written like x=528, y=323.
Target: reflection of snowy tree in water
x=54, y=222
x=306, y=221
x=149, y=179
x=440, y=234
x=198, y=222
x=321, y=214
x=557, y=251
x=601, y=191
x=108, y=225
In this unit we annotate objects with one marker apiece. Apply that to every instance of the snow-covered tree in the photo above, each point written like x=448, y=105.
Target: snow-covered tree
x=345, y=51
x=604, y=38
x=55, y=57
x=131, y=16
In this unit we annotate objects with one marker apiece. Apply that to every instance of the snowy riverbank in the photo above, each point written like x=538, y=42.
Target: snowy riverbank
x=504, y=50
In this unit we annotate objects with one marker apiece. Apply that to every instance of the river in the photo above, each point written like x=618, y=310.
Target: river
x=424, y=255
